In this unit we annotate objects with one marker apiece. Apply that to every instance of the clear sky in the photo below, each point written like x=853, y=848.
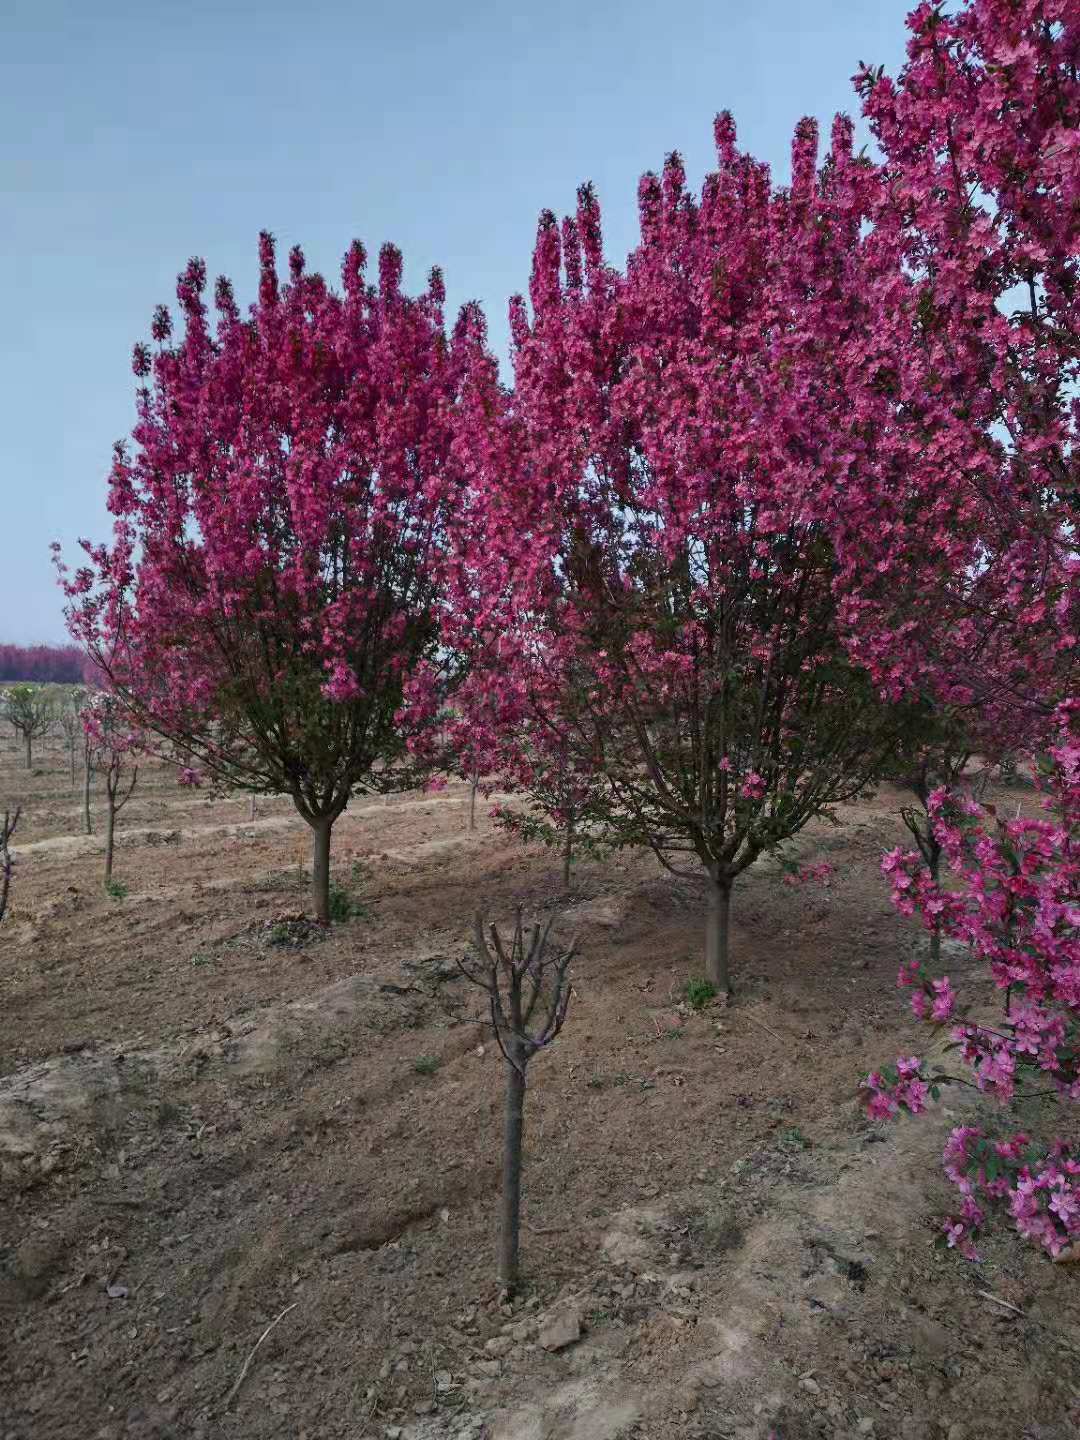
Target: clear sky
x=134, y=133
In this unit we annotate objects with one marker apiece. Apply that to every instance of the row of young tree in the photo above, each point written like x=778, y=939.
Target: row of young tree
x=101, y=738
x=781, y=507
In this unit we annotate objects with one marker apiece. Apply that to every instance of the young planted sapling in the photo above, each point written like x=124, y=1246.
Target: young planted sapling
x=30, y=712
x=7, y=830
x=528, y=989
x=69, y=719
x=114, y=744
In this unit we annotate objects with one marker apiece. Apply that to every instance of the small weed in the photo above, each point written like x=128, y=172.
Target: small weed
x=202, y=958
x=277, y=880
x=675, y=1034
x=792, y=1139
x=167, y=1113
x=426, y=1064
x=343, y=905
x=714, y=1228
x=699, y=992
x=280, y=934
x=116, y=890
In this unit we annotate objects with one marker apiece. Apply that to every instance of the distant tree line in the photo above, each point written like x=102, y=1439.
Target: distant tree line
x=60, y=664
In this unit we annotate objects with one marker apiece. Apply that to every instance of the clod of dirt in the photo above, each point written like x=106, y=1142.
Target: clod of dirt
x=37, y=1260
x=561, y=1330
x=607, y=911
x=579, y=1410
x=626, y=1243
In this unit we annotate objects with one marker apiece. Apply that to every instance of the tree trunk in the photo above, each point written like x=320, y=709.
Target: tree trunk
x=716, y=933
x=320, y=869
x=252, y=805
x=88, y=829
x=110, y=834
x=567, y=854
x=472, y=802
x=934, y=866
x=511, y=1178
x=71, y=748
x=29, y=751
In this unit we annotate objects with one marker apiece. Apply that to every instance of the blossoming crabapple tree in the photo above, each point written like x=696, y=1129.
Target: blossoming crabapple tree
x=972, y=265
x=567, y=801
x=276, y=555
x=665, y=530
x=979, y=135
x=489, y=730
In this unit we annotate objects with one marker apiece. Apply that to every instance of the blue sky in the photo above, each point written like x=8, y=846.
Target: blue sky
x=133, y=135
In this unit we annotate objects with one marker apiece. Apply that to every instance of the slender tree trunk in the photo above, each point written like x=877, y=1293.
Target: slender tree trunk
x=510, y=1232
x=320, y=869
x=934, y=867
x=474, y=782
x=110, y=839
x=71, y=748
x=252, y=805
x=567, y=854
x=29, y=751
x=717, y=931
x=87, y=827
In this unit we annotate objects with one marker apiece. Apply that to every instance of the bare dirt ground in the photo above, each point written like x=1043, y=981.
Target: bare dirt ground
x=214, y=1116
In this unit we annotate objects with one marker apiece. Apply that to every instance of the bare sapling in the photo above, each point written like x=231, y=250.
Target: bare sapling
x=113, y=746
x=117, y=794
x=70, y=721
x=7, y=830
x=528, y=990
x=88, y=771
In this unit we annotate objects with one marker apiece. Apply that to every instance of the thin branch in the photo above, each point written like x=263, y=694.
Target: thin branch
x=247, y=1363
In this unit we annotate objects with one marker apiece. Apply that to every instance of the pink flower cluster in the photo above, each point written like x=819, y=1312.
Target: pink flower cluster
x=819, y=872
x=1013, y=901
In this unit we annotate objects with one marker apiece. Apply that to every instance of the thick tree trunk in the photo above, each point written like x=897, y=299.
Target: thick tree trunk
x=110, y=840
x=567, y=854
x=510, y=1232
x=88, y=829
x=320, y=869
x=472, y=802
x=29, y=751
x=716, y=933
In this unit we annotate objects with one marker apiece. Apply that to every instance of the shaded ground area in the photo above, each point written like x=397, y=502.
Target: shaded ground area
x=213, y=1115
